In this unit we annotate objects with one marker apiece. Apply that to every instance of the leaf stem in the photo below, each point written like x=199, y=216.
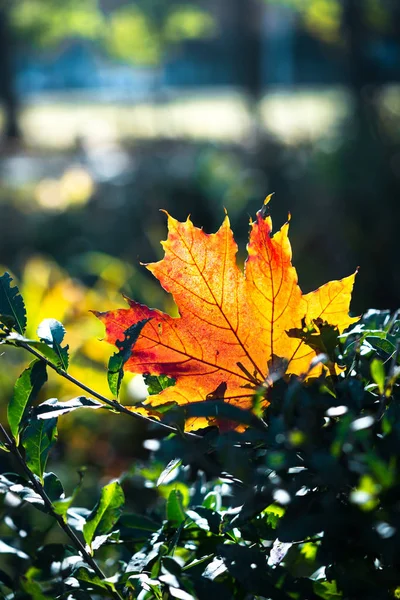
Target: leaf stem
x=112, y=403
x=10, y=443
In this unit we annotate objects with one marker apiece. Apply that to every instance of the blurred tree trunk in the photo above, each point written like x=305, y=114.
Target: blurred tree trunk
x=246, y=21
x=7, y=93
x=367, y=158
x=246, y=18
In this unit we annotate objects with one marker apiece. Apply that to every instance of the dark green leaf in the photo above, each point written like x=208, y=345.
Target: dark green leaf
x=133, y=521
x=175, y=512
x=92, y=582
x=157, y=383
x=12, y=307
x=384, y=348
x=117, y=361
x=53, y=408
x=106, y=512
x=52, y=332
x=62, y=504
x=220, y=410
x=10, y=482
x=53, y=487
x=172, y=566
x=320, y=336
x=26, y=389
x=199, y=514
x=6, y=580
x=38, y=439
x=250, y=567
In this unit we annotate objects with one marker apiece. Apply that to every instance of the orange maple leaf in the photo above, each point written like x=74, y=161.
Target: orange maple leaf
x=231, y=325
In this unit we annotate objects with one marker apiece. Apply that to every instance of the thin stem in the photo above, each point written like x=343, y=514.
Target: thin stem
x=10, y=442
x=112, y=403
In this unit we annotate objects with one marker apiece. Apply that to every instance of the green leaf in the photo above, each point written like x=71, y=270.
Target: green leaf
x=175, y=512
x=320, y=335
x=12, y=307
x=220, y=410
x=157, y=383
x=171, y=466
x=10, y=482
x=52, y=332
x=106, y=512
x=327, y=590
x=32, y=587
x=137, y=527
x=53, y=487
x=378, y=374
x=92, y=582
x=38, y=439
x=115, y=373
x=26, y=389
x=4, y=447
x=249, y=566
x=62, y=504
x=16, y=339
x=384, y=347
x=53, y=408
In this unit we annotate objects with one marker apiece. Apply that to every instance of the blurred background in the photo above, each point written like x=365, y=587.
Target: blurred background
x=114, y=109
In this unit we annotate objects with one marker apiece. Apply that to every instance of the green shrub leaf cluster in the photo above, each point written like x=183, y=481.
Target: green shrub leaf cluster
x=302, y=502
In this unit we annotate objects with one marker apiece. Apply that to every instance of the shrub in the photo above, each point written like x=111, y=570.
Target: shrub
x=303, y=503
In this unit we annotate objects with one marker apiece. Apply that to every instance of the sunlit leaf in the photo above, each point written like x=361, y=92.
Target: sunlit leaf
x=231, y=333
x=52, y=332
x=106, y=512
x=175, y=512
x=378, y=374
x=53, y=408
x=171, y=466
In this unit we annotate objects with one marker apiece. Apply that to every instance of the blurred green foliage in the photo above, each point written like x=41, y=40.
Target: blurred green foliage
x=137, y=32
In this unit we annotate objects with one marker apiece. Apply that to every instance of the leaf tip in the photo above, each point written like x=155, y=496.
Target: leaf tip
x=268, y=198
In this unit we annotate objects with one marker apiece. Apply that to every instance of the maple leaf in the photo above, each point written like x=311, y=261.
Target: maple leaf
x=233, y=326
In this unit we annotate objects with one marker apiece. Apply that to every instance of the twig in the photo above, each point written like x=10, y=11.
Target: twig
x=10, y=442
x=112, y=403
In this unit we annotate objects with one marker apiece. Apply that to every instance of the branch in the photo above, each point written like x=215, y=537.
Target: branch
x=10, y=442
x=114, y=404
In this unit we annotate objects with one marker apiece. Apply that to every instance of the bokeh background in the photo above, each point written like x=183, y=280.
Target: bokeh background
x=114, y=109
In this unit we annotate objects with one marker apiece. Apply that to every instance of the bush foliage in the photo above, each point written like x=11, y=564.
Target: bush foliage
x=302, y=504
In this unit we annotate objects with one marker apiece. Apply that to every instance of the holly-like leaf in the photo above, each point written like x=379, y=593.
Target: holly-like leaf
x=231, y=332
x=12, y=307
